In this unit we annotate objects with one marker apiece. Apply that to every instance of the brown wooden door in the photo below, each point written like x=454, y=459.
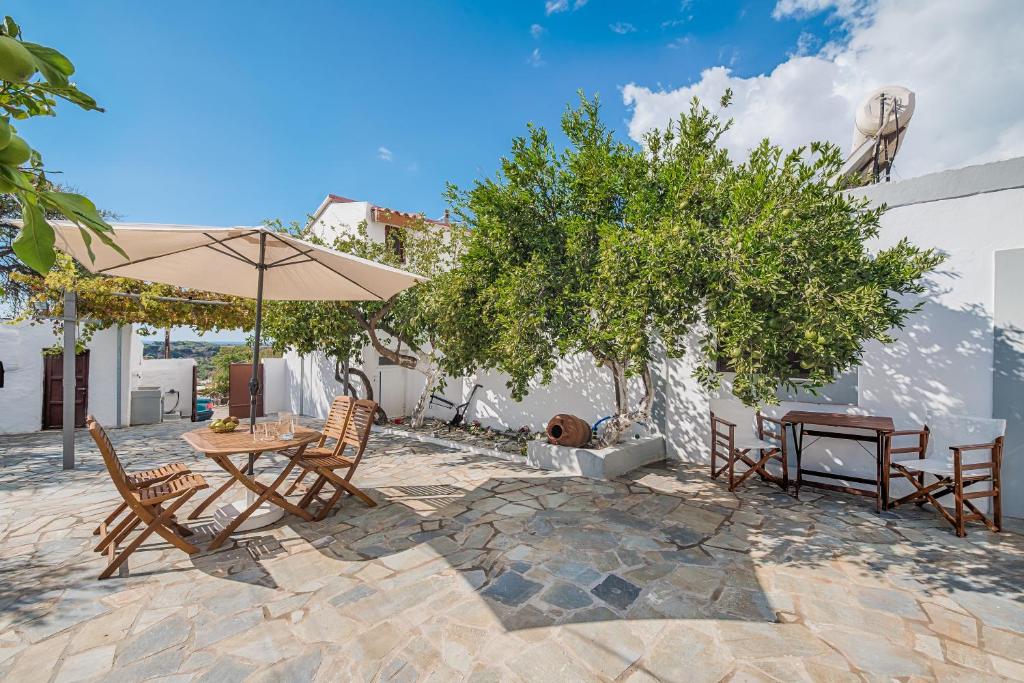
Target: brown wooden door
x=238, y=395
x=53, y=390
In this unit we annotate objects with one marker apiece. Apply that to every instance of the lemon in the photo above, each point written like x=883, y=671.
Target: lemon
x=16, y=152
x=16, y=63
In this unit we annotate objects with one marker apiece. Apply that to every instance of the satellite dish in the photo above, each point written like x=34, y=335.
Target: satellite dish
x=879, y=127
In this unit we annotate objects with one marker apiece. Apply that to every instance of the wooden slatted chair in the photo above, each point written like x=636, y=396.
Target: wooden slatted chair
x=139, y=480
x=334, y=428
x=960, y=453
x=356, y=435
x=153, y=505
x=737, y=432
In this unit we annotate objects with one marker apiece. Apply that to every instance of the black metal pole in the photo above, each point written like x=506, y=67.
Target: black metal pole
x=254, y=381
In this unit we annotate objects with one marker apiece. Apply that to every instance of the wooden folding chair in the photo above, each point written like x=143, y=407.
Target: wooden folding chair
x=147, y=505
x=356, y=434
x=334, y=428
x=734, y=442
x=975, y=465
x=139, y=480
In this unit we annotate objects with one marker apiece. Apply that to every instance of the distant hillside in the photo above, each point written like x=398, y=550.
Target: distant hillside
x=202, y=351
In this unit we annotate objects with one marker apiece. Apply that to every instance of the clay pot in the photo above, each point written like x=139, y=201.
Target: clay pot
x=568, y=430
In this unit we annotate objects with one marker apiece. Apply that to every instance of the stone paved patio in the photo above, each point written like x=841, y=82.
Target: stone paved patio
x=478, y=569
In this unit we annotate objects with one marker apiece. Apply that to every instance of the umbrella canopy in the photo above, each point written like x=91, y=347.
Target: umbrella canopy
x=224, y=260
x=255, y=263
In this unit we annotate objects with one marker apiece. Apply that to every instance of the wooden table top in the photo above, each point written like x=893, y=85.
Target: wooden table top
x=873, y=422
x=207, y=441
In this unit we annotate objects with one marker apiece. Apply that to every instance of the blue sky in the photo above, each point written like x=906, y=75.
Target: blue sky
x=231, y=112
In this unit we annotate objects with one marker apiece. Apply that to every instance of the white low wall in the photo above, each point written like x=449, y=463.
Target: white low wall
x=275, y=389
x=169, y=374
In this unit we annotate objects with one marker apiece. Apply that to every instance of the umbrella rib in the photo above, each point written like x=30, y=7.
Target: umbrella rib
x=230, y=253
x=285, y=261
x=222, y=243
x=170, y=253
x=336, y=272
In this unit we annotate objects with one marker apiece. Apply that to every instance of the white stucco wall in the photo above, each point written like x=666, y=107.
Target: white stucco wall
x=169, y=374
x=21, y=398
x=275, y=389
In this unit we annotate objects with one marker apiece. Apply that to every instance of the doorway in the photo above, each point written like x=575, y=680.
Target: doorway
x=53, y=390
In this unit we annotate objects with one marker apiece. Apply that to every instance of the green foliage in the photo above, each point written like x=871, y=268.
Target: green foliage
x=792, y=289
x=604, y=247
x=34, y=79
x=220, y=383
x=202, y=351
x=105, y=301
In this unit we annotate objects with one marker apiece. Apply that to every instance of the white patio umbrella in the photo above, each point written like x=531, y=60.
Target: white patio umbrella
x=255, y=263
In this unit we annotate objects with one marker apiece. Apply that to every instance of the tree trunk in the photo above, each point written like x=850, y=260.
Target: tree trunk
x=429, y=370
x=624, y=417
x=167, y=343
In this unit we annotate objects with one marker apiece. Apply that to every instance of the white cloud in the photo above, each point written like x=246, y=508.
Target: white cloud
x=961, y=58
x=535, y=60
x=385, y=154
x=536, y=31
x=622, y=27
x=678, y=43
x=553, y=6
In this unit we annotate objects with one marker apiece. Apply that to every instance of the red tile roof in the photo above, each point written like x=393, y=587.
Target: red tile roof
x=387, y=214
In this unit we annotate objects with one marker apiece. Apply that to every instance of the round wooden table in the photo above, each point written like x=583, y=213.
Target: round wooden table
x=263, y=505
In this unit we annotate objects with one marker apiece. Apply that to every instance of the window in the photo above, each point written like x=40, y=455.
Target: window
x=395, y=242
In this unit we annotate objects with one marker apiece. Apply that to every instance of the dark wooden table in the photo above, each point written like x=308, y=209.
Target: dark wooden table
x=870, y=429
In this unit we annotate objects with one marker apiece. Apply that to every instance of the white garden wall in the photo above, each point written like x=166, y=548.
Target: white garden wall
x=169, y=374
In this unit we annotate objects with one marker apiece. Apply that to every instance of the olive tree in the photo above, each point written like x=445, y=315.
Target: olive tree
x=792, y=287
x=562, y=251
x=603, y=247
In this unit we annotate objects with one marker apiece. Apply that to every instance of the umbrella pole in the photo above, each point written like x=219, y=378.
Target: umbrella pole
x=254, y=381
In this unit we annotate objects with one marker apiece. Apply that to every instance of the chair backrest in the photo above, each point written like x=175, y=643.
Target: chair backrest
x=731, y=410
x=337, y=418
x=110, y=459
x=960, y=430
x=360, y=421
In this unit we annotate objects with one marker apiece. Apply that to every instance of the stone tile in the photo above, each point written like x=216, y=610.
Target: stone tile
x=86, y=665
x=160, y=636
x=511, y=589
x=566, y=596
x=951, y=624
x=616, y=591
x=876, y=654
x=547, y=663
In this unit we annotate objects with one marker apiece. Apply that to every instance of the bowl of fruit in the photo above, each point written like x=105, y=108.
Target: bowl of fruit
x=227, y=424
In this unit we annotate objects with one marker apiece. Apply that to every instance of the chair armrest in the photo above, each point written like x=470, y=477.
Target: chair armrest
x=723, y=421
x=907, y=432
x=974, y=447
x=774, y=420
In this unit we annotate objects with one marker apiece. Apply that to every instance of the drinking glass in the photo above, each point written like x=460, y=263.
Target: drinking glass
x=285, y=424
